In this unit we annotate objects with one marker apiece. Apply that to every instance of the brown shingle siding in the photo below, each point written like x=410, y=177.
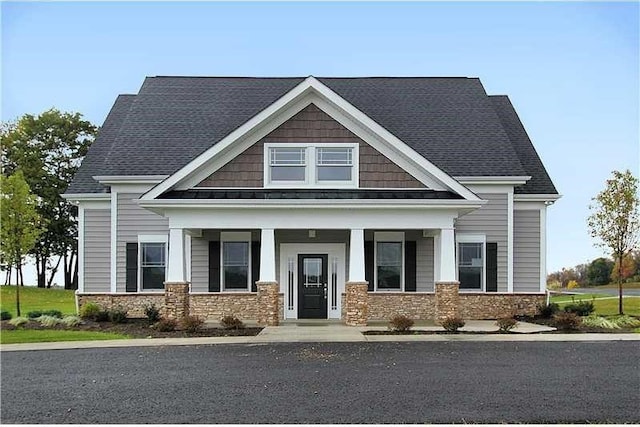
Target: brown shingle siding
x=311, y=125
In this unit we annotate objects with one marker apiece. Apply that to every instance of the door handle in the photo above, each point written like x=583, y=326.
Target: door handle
x=325, y=291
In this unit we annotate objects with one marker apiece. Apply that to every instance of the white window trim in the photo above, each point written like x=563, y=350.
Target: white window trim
x=152, y=238
x=310, y=180
x=391, y=237
x=472, y=238
x=235, y=236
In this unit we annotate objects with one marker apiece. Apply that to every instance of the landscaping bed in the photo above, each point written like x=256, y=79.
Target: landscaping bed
x=417, y=332
x=134, y=328
x=580, y=329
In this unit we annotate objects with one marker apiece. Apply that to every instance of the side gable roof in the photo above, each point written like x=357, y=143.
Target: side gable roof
x=449, y=121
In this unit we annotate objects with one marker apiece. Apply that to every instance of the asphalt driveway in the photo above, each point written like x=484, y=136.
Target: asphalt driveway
x=419, y=382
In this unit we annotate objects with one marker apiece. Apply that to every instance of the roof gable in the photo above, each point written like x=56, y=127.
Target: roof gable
x=307, y=92
x=310, y=125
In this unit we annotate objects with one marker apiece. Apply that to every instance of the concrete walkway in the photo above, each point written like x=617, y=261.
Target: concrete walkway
x=337, y=332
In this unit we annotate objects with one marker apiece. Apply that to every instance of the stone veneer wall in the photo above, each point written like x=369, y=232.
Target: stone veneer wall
x=133, y=303
x=494, y=306
x=214, y=306
x=418, y=306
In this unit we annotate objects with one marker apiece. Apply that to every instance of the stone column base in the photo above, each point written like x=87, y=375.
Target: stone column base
x=268, y=309
x=356, y=303
x=176, y=299
x=447, y=300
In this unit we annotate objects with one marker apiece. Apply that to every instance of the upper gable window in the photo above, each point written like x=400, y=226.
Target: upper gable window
x=311, y=165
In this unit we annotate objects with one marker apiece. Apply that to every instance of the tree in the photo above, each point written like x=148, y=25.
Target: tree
x=615, y=219
x=599, y=271
x=627, y=270
x=20, y=223
x=48, y=149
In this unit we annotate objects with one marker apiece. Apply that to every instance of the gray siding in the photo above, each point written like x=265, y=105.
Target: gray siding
x=133, y=221
x=199, y=264
x=424, y=265
x=526, y=251
x=97, y=249
x=491, y=220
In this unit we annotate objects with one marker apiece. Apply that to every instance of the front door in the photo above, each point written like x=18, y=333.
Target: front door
x=312, y=286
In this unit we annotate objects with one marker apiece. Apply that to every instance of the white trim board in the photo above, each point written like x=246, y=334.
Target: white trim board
x=311, y=90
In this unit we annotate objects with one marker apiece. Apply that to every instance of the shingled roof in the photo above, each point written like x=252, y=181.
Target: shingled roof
x=450, y=121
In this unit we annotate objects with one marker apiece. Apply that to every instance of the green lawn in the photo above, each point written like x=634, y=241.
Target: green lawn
x=632, y=285
x=561, y=299
x=29, y=335
x=605, y=304
x=32, y=298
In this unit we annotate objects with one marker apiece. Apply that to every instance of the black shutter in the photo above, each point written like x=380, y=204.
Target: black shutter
x=255, y=265
x=369, y=264
x=132, y=267
x=410, y=266
x=214, y=266
x=492, y=267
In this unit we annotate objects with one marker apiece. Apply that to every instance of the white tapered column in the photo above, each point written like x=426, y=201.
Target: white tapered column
x=356, y=256
x=176, y=271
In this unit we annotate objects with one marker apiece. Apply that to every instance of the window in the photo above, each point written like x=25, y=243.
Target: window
x=303, y=165
x=236, y=261
x=334, y=164
x=288, y=164
x=152, y=265
x=389, y=257
x=471, y=265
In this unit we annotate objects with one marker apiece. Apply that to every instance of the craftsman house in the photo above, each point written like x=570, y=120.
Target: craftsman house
x=325, y=198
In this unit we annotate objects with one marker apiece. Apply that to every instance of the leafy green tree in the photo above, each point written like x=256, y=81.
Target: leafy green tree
x=20, y=223
x=48, y=149
x=615, y=219
x=599, y=271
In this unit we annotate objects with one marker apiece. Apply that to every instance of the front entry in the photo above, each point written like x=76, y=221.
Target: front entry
x=312, y=286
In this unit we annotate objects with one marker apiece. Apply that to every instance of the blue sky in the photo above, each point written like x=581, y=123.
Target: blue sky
x=570, y=69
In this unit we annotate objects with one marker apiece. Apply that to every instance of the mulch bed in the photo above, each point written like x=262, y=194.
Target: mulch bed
x=138, y=328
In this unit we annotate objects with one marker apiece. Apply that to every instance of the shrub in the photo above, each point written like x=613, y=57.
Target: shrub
x=452, y=324
x=18, y=321
x=34, y=314
x=506, y=324
x=191, y=323
x=70, y=321
x=117, y=315
x=5, y=315
x=400, y=323
x=548, y=310
x=102, y=316
x=48, y=321
x=566, y=321
x=581, y=308
x=53, y=313
x=231, y=322
x=152, y=313
x=572, y=284
x=166, y=325
x=90, y=311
